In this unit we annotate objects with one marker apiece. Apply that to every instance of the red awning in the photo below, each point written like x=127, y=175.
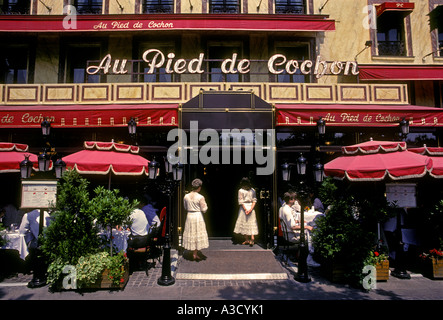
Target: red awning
x=400, y=72
x=358, y=115
x=104, y=157
x=78, y=116
x=11, y=154
x=378, y=160
x=97, y=23
x=402, y=7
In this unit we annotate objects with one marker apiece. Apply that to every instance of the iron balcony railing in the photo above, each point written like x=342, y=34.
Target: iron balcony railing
x=10, y=7
x=289, y=7
x=224, y=6
x=391, y=48
x=440, y=46
x=158, y=6
x=89, y=8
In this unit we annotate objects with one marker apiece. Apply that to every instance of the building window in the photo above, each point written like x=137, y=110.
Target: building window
x=78, y=57
x=297, y=52
x=218, y=53
x=391, y=34
x=290, y=7
x=158, y=6
x=14, y=64
x=224, y=6
x=436, y=23
x=144, y=72
x=15, y=6
x=88, y=6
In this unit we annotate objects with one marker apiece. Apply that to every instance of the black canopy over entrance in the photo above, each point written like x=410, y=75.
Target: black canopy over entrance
x=227, y=110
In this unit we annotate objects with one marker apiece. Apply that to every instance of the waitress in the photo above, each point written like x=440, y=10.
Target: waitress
x=195, y=236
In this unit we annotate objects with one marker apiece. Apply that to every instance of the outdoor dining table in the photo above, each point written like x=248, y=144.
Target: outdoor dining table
x=119, y=238
x=15, y=241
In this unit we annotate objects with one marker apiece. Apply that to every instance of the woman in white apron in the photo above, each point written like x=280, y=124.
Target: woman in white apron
x=246, y=222
x=195, y=236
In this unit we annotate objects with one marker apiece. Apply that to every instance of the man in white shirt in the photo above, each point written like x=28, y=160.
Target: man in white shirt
x=139, y=229
x=30, y=226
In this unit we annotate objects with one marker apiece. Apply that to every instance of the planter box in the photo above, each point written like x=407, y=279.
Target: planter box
x=382, y=270
x=437, y=268
x=334, y=271
x=105, y=283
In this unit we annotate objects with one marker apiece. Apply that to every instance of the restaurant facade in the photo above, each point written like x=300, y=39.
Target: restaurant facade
x=234, y=88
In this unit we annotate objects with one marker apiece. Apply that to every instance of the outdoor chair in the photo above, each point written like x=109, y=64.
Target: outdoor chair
x=288, y=247
x=152, y=250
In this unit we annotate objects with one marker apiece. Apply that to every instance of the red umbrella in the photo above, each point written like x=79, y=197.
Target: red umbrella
x=436, y=155
x=11, y=154
x=106, y=157
x=374, y=160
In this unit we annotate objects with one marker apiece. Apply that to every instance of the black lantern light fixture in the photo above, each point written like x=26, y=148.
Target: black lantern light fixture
x=132, y=127
x=286, y=171
x=177, y=171
x=318, y=172
x=153, y=167
x=60, y=168
x=404, y=126
x=301, y=165
x=321, y=126
x=26, y=167
x=43, y=161
x=46, y=127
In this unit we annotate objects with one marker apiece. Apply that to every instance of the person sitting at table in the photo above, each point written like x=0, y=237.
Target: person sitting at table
x=286, y=214
x=139, y=229
x=150, y=211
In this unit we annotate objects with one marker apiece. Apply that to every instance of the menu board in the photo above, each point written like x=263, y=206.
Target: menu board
x=38, y=194
x=403, y=193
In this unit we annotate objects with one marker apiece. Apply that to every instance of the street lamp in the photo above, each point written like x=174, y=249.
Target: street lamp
x=302, y=273
x=166, y=278
x=26, y=167
x=60, y=168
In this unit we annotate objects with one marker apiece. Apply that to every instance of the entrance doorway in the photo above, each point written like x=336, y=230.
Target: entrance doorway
x=221, y=183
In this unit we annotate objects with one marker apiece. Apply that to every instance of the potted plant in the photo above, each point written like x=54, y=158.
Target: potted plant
x=72, y=232
x=72, y=239
x=380, y=261
x=346, y=234
x=434, y=263
x=111, y=210
x=100, y=270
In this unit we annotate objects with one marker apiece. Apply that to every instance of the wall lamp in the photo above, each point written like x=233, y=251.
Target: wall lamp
x=425, y=56
x=368, y=44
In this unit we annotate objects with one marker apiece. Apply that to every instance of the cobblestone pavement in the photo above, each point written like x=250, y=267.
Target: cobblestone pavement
x=142, y=287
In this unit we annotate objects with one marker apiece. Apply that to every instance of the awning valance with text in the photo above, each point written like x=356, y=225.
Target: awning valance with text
x=302, y=115
x=400, y=72
x=78, y=116
x=162, y=22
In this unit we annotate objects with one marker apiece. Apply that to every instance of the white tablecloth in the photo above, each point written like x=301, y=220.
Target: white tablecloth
x=119, y=239
x=16, y=241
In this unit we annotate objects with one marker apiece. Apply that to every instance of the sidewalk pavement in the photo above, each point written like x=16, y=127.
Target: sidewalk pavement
x=142, y=287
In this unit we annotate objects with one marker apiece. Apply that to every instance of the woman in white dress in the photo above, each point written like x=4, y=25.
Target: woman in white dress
x=246, y=222
x=195, y=236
